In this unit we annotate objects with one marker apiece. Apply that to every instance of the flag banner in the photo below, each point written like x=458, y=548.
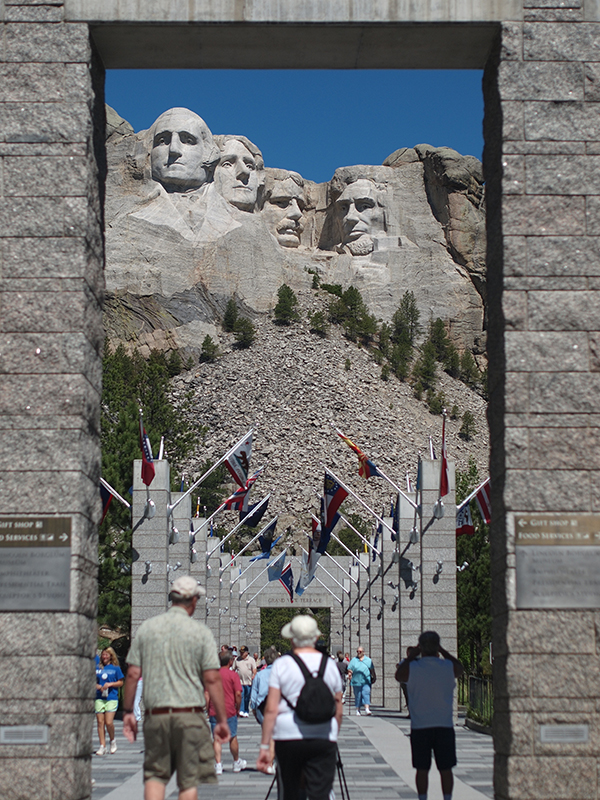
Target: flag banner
x=192, y=534
x=211, y=532
x=366, y=468
x=464, y=522
x=238, y=462
x=238, y=501
x=395, y=519
x=106, y=500
x=275, y=568
x=182, y=485
x=147, y=460
x=309, y=567
x=444, y=476
x=419, y=476
x=266, y=542
x=376, y=539
x=250, y=517
x=483, y=500
x=322, y=532
x=432, y=454
x=287, y=581
x=333, y=497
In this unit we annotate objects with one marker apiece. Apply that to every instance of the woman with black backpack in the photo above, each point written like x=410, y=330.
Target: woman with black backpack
x=303, y=715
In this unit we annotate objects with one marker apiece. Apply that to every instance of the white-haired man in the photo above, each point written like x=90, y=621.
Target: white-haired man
x=430, y=682
x=178, y=657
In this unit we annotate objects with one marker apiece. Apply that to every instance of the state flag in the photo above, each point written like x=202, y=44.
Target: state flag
x=464, y=521
x=275, y=568
x=106, y=497
x=483, y=500
x=444, y=474
x=147, y=460
x=287, y=581
x=238, y=461
x=366, y=468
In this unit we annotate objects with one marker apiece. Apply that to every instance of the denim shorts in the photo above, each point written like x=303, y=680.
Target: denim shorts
x=231, y=721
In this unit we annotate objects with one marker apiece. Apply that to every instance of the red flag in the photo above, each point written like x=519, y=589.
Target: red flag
x=444, y=477
x=464, y=521
x=483, y=500
x=147, y=460
x=366, y=468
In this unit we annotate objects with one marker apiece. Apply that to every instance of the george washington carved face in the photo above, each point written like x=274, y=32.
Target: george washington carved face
x=183, y=150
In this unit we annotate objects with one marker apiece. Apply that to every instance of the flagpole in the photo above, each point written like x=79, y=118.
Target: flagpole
x=172, y=506
x=468, y=499
x=326, y=571
x=349, y=524
x=252, y=541
x=262, y=572
x=114, y=492
x=248, y=545
x=231, y=532
x=347, y=549
x=438, y=509
x=380, y=471
x=256, y=595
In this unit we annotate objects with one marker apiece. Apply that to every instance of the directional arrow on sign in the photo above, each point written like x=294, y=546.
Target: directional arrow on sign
x=64, y=537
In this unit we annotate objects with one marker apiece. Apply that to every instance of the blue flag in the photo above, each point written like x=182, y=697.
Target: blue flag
x=275, y=568
x=266, y=542
x=106, y=500
x=250, y=517
x=287, y=581
x=396, y=519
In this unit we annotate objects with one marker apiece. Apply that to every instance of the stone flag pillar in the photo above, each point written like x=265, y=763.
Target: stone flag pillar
x=542, y=169
x=51, y=262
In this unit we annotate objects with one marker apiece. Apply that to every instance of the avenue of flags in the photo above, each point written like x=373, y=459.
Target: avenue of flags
x=335, y=492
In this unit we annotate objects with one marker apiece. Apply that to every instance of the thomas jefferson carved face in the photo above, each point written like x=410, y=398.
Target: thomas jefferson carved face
x=237, y=175
x=182, y=150
x=284, y=210
x=361, y=216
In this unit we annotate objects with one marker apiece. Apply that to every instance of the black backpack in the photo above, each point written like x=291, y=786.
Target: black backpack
x=315, y=702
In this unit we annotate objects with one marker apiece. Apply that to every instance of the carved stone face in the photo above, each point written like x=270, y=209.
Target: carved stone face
x=361, y=217
x=283, y=212
x=236, y=176
x=182, y=147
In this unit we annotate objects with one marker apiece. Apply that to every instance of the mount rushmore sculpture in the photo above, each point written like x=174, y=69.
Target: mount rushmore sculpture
x=194, y=218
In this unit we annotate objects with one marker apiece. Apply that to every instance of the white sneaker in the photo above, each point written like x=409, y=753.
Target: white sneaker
x=239, y=765
x=368, y=712
x=357, y=713
x=271, y=770
x=113, y=747
x=101, y=751
x=219, y=769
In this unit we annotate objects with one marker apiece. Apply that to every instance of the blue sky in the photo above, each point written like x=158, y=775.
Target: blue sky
x=314, y=121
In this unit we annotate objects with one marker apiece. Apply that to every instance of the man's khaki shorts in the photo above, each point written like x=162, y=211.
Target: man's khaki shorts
x=178, y=743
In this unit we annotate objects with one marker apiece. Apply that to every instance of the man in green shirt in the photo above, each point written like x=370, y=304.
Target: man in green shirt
x=178, y=659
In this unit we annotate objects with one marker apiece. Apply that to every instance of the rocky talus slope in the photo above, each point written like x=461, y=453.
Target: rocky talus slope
x=290, y=385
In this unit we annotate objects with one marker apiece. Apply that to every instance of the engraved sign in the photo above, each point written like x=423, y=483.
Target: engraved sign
x=558, y=560
x=24, y=734
x=564, y=734
x=35, y=563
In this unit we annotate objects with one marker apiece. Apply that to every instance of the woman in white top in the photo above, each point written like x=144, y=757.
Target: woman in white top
x=303, y=750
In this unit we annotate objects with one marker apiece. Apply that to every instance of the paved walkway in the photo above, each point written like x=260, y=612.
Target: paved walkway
x=375, y=751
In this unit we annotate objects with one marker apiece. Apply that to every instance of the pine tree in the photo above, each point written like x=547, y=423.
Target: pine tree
x=469, y=373
x=285, y=310
x=439, y=338
x=385, y=335
x=230, y=316
x=318, y=323
x=406, y=319
x=452, y=361
x=467, y=429
x=210, y=350
x=244, y=332
x=424, y=368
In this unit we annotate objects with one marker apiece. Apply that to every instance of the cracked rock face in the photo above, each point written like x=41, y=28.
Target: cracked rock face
x=193, y=219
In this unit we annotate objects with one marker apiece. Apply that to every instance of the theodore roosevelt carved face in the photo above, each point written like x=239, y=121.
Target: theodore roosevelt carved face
x=183, y=150
x=361, y=216
x=239, y=173
x=284, y=206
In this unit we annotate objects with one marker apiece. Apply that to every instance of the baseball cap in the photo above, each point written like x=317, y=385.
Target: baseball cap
x=301, y=627
x=186, y=587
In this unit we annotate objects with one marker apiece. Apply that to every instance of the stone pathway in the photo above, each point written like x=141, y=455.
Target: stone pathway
x=375, y=751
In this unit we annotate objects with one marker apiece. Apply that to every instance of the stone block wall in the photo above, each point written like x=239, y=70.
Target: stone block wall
x=542, y=130
x=51, y=285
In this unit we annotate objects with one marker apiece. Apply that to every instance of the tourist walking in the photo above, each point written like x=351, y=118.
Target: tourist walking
x=359, y=674
x=178, y=657
x=109, y=678
x=232, y=691
x=304, y=749
x=260, y=690
x=245, y=666
x=342, y=666
x=430, y=682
